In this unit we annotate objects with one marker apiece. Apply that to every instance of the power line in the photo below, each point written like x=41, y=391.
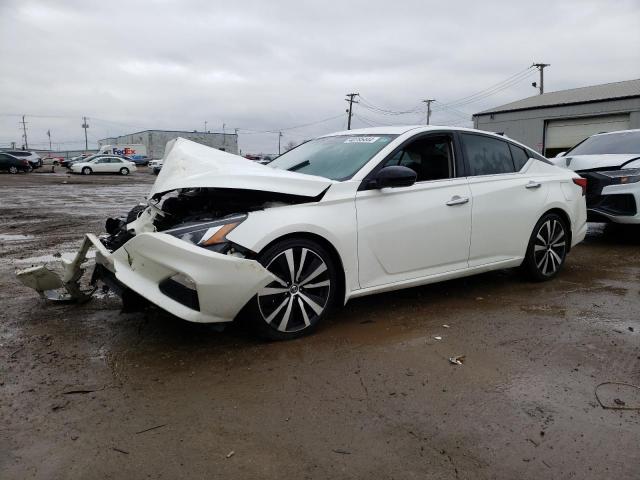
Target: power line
x=489, y=91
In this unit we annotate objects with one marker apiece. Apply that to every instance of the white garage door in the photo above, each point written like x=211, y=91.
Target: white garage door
x=564, y=134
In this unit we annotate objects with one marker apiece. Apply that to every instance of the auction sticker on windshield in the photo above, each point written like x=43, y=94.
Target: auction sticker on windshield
x=361, y=140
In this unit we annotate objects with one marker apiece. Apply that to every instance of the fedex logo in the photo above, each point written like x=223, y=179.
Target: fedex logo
x=126, y=151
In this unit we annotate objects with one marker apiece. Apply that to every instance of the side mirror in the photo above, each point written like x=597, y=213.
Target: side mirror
x=561, y=154
x=393, y=176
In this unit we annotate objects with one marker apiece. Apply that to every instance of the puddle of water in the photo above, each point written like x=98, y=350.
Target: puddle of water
x=7, y=237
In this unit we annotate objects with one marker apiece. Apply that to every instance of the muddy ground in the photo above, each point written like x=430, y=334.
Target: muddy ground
x=89, y=392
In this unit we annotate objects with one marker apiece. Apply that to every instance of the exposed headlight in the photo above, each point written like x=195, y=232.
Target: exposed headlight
x=211, y=235
x=626, y=175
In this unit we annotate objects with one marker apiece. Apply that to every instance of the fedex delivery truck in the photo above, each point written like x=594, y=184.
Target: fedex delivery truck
x=136, y=151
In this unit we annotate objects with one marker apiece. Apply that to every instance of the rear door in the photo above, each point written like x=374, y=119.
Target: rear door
x=413, y=232
x=506, y=198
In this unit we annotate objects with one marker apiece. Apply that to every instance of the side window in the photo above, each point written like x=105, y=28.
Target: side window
x=114, y=160
x=519, y=155
x=486, y=155
x=430, y=157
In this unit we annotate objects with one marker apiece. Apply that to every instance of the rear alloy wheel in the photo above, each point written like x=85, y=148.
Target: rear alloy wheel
x=547, y=248
x=13, y=169
x=302, y=293
x=124, y=171
x=86, y=171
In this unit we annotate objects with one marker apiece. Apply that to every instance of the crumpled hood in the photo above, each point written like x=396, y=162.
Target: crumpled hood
x=589, y=162
x=188, y=164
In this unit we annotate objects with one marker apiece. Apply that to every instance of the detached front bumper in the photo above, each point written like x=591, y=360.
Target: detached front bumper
x=221, y=284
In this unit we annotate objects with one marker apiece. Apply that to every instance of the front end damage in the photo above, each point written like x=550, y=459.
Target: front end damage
x=174, y=251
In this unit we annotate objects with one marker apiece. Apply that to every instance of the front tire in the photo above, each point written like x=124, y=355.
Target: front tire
x=13, y=169
x=124, y=171
x=303, y=293
x=87, y=171
x=547, y=248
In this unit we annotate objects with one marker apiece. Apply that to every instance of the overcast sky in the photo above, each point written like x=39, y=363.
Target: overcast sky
x=270, y=65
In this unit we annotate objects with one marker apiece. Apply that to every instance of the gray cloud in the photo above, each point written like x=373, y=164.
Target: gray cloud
x=268, y=65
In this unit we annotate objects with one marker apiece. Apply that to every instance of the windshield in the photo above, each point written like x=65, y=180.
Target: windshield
x=612, y=143
x=336, y=158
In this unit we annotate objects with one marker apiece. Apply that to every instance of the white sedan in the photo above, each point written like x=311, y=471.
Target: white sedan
x=345, y=215
x=103, y=164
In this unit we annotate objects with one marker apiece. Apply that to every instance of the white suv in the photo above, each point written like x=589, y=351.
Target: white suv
x=611, y=164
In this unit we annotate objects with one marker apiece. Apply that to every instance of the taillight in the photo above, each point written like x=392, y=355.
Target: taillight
x=25, y=162
x=582, y=183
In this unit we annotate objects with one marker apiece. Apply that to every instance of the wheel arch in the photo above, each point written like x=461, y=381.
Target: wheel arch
x=333, y=251
x=567, y=220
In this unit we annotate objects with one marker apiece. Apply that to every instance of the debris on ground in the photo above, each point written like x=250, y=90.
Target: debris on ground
x=457, y=360
x=619, y=404
x=446, y=326
x=437, y=337
x=341, y=452
x=231, y=454
x=120, y=450
x=151, y=428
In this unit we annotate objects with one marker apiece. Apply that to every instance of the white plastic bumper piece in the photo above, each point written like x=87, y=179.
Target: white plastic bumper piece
x=224, y=283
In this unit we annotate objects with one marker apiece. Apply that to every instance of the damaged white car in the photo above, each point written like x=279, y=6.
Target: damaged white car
x=611, y=164
x=342, y=216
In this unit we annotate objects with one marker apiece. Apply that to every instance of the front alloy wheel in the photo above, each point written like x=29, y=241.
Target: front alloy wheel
x=547, y=248
x=302, y=292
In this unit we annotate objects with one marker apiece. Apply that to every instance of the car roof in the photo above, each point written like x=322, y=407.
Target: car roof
x=401, y=129
x=617, y=131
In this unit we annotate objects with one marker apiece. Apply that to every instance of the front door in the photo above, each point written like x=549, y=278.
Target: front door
x=411, y=232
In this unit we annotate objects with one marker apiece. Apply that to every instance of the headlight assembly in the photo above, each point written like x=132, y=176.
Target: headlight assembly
x=211, y=235
x=624, y=176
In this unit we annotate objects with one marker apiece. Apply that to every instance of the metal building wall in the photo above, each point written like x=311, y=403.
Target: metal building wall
x=528, y=126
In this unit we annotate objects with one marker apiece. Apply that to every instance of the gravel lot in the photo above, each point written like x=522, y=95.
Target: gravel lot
x=89, y=392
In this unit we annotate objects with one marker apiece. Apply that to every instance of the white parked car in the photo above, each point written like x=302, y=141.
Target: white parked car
x=345, y=215
x=155, y=166
x=103, y=164
x=611, y=164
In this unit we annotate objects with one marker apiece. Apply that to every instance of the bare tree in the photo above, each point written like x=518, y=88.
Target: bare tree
x=289, y=146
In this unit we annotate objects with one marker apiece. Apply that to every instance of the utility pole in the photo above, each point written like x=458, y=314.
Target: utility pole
x=428, y=102
x=49, y=135
x=350, y=110
x=85, y=125
x=24, y=130
x=279, y=137
x=205, y=126
x=540, y=67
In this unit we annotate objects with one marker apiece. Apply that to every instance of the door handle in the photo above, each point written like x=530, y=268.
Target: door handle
x=457, y=200
x=533, y=184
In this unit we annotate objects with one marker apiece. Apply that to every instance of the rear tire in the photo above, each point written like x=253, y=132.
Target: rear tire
x=87, y=171
x=304, y=294
x=13, y=169
x=547, y=248
x=124, y=171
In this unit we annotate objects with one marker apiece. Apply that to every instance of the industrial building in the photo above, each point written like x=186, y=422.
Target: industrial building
x=554, y=122
x=156, y=140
